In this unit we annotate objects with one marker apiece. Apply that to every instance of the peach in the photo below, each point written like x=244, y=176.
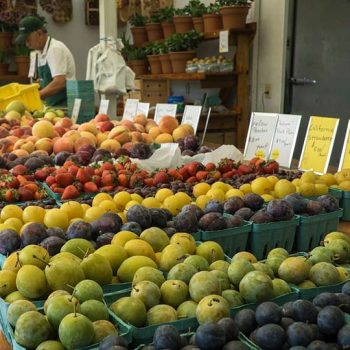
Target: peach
x=110, y=145
x=26, y=121
x=128, y=146
x=43, y=128
x=154, y=132
x=32, y=138
x=129, y=124
x=140, y=119
x=164, y=138
x=45, y=144
x=136, y=137
x=89, y=127
x=150, y=124
x=20, y=153
x=189, y=128
x=146, y=138
x=72, y=134
x=12, y=115
x=82, y=141
x=106, y=126
x=65, y=123
x=120, y=133
x=63, y=144
x=101, y=118
x=27, y=130
x=24, y=144
x=100, y=137
x=139, y=127
x=18, y=132
x=12, y=139
x=3, y=132
x=6, y=145
x=180, y=133
x=88, y=135
x=168, y=124
x=60, y=130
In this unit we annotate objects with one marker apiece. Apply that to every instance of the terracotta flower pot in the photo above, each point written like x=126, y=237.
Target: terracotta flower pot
x=168, y=29
x=234, y=17
x=140, y=67
x=154, y=63
x=154, y=32
x=22, y=65
x=183, y=24
x=212, y=22
x=5, y=40
x=198, y=24
x=165, y=63
x=4, y=68
x=139, y=35
x=179, y=60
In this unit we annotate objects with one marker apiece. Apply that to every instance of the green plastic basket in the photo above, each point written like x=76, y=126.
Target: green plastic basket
x=344, y=201
x=310, y=293
x=232, y=240
x=144, y=335
x=280, y=300
x=312, y=229
x=265, y=237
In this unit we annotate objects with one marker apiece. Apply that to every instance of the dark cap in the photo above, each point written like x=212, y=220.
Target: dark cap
x=26, y=26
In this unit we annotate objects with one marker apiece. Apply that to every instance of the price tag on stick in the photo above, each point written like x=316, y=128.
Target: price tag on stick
x=143, y=108
x=345, y=154
x=206, y=126
x=191, y=116
x=223, y=41
x=76, y=110
x=104, y=104
x=318, y=144
x=163, y=109
x=130, y=108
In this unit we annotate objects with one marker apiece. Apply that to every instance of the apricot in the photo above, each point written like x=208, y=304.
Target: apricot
x=89, y=127
x=139, y=127
x=110, y=145
x=100, y=137
x=63, y=144
x=73, y=135
x=136, y=137
x=43, y=128
x=180, y=133
x=164, y=138
x=150, y=124
x=189, y=128
x=44, y=144
x=154, y=132
x=147, y=138
x=140, y=119
x=168, y=124
x=89, y=135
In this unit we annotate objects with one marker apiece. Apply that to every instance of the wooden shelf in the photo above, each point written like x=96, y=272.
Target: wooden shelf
x=13, y=77
x=186, y=76
x=249, y=29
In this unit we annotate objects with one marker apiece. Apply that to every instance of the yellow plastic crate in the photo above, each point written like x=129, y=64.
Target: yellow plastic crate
x=26, y=93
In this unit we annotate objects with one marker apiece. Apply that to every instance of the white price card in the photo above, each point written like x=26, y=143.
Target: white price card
x=261, y=131
x=130, y=108
x=191, y=116
x=223, y=41
x=104, y=104
x=163, y=109
x=283, y=143
x=143, y=108
x=76, y=110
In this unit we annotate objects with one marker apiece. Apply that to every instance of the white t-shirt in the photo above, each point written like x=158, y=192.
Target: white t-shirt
x=58, y=57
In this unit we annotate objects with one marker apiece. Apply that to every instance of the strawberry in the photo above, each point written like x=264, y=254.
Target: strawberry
x=184, y=173
x=229, y=174
x=216, y=175
x=90, y=170
x=90, y=187
x=191, y=180
x=174, y=174
x=130, y=166
x=70, y=192
x=244, y=169
x=62, y=170
x=73, y=169
x=97, y=180
x=271, y=167
x=78, y=185
x=58, y=190
x=107, y=188
x=64, y=179
x=118, y=166
x=41, y=174
x=135, y=181
x=83, y=176
x=123, y=180
x=12, y=181
x=19, y=170
x=50, y=180
x=148, y=182
x=226, y=165
x=210, y=167
x=259, y=166
x=194, y=167
x=11, y=195
x=202, y=175
x=254, y=160
x=160, y=178
x=108, y=180
x=25, y=194
x=107, y=166
x=68, y=163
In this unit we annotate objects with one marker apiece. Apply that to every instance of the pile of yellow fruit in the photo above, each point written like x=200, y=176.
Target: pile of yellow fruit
x=342, y=180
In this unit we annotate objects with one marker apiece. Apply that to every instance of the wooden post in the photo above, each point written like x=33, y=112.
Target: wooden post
x=242, y=67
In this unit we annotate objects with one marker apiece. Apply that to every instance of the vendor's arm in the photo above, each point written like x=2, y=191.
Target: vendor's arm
x=57, y=84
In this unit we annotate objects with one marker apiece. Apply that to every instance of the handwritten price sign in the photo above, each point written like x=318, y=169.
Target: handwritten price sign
x=318, y=144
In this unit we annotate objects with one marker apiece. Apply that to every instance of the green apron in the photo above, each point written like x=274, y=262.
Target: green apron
x=59, y=99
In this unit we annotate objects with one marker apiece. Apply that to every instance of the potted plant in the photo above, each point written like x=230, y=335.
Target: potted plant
x=3, y=65
x=181, y=49
x=197, y=9
x=212, y=19
x=138, y=29
x=152, y=52
x=164, y=59
x=8, y=24
x=22, y=60
x=234, y=13
x=153, y=28
x=136, y=58
x=182, y=21
x=166, y=20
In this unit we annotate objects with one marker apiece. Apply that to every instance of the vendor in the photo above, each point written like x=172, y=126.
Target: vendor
x=54, y=63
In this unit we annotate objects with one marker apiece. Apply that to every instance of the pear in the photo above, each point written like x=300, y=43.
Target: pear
x=97, y=268
x=76, y=331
